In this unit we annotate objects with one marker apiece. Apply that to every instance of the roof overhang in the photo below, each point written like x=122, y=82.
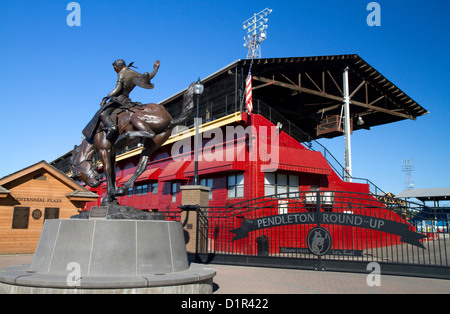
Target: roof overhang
x=4, y=192
x=430, y=194
x=82, y=196
x=79, y=193
x=308, y=90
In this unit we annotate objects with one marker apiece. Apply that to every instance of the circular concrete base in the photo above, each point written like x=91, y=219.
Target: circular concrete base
x=19, y=280
x=109, y=256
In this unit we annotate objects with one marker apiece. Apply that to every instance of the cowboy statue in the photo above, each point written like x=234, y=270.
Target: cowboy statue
x=121, y=123
x=127, y=79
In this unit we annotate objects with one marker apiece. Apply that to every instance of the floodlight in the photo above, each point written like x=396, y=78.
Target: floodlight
x=360, y=121
x=256, y=33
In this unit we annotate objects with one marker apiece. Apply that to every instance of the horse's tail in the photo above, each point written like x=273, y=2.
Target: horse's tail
x=186, y=110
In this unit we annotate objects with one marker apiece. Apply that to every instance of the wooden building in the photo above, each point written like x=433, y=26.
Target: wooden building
x=29, y=197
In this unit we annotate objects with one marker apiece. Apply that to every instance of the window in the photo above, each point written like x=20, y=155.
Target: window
x=270, y=184
x=278, y=183
x=174, y=191
x=294, y=185
x=235, y=185
x=208, y=183
x=142, y=189
x=282, y=183
x=154, y=188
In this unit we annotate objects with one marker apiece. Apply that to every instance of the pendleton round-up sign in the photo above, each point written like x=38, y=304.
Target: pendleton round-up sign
x=352, y=220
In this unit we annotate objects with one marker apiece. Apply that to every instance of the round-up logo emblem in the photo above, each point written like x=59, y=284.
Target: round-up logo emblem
x=319, y=241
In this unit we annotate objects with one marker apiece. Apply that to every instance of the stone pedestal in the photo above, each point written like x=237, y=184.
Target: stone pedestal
x=192, y=195
x=109, y=256
x=116, y=211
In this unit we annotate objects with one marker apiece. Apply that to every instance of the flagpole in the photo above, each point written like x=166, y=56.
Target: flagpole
x=252, y=142
x=248, y=90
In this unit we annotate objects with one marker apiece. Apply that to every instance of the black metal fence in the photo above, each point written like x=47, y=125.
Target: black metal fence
x=327, y=230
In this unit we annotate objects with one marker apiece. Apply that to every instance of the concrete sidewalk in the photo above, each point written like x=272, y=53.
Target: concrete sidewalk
x=255, y=280
x=261, y=280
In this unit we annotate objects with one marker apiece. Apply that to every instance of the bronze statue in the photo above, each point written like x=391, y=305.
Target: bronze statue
x=151, y=124
x=127, y=79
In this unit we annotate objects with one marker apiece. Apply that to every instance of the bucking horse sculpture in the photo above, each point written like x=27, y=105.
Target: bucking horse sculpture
x=149, y=124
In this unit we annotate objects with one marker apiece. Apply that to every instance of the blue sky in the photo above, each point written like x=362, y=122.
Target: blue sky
x=54, y=76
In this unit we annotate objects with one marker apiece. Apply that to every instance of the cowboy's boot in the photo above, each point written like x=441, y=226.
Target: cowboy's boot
x=109, y=126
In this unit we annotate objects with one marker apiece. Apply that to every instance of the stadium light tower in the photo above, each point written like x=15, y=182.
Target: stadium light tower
x=408, y=168
x=256, y=27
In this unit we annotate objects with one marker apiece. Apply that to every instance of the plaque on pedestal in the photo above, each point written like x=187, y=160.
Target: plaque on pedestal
x=98, y=212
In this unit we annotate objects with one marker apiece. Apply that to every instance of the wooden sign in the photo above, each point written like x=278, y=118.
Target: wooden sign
x=21, y=217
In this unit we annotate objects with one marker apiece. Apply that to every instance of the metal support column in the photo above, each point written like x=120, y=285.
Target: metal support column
x=347, y=129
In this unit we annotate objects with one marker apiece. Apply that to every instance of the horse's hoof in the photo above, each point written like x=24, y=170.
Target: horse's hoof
x=109, y=202
x=122, y=139
x=120, y=192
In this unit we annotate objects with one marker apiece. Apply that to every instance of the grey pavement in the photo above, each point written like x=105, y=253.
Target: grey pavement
x=261, y=280
x=255, y=280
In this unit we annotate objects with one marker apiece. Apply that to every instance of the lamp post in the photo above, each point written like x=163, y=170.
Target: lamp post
x=198, y=90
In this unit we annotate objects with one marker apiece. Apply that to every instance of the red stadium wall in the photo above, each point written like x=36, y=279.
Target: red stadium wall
x=311, y=168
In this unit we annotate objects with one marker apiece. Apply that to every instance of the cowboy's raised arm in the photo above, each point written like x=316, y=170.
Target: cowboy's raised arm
x=155, y=69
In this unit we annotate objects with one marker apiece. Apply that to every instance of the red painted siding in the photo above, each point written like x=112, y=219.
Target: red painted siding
x=311, y=168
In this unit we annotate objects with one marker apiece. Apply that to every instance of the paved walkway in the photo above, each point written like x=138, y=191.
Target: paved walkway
x=255, y=280
x=259, y=280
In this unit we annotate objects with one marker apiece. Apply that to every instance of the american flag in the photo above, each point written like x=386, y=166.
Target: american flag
x=248, y=94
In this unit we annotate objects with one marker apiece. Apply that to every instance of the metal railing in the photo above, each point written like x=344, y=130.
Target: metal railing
x=294, y=131
x=275, y=230
x=227, y=104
